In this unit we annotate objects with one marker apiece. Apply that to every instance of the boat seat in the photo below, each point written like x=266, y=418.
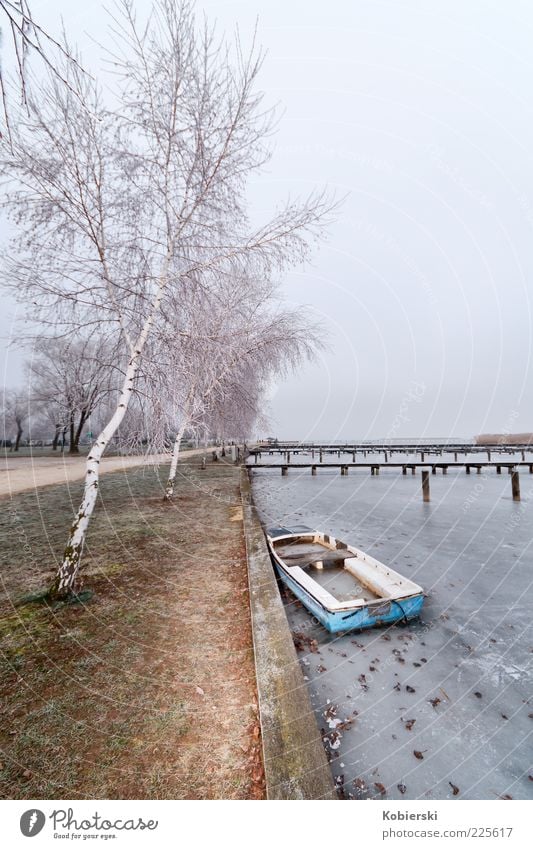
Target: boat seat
x=328, y=558
x=383, y=586
x=312, y=586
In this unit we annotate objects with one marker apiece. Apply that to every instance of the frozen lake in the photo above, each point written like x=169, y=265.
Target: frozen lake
x=454, y=687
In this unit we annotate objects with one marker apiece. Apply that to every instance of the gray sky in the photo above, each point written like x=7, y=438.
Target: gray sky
x=424, y=116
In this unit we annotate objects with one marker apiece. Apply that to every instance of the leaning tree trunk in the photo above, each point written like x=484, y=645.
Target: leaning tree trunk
x=169, y=489
x=66, y=578
x=67, y=574
x=17, y=440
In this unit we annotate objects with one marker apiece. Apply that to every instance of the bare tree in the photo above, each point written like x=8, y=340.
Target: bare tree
x=239, y=409
x=51, y=417
x=69, y=378
x=28, y=37
x=15, y=414
x=118, y=208
x=232, y=339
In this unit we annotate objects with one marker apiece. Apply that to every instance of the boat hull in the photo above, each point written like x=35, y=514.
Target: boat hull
x=383, y=611
x=386, y=613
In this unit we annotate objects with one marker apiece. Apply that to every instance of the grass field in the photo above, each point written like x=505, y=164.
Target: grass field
x=147, y=690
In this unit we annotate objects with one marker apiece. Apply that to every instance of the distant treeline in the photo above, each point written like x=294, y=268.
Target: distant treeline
x=504, y=439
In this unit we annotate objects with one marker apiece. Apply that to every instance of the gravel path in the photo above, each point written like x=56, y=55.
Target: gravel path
x=21, y=474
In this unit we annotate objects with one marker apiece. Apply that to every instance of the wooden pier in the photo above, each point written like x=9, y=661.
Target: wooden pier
x=375, y=467
x=436, y=449
x=425, y=468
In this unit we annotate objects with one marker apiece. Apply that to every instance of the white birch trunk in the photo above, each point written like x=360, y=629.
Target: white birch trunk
x=68, y=570
x=67, y=574
x=169, y=489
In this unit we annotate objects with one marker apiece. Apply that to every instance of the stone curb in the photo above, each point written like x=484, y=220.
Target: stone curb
x=295, y=763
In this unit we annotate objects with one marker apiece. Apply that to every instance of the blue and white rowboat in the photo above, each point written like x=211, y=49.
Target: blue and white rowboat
x=342, y=586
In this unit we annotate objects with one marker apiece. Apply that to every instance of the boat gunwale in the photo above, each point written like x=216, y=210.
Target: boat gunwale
x=340, y=607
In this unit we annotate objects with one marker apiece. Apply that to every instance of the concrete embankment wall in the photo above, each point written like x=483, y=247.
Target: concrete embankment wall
x=295, y=763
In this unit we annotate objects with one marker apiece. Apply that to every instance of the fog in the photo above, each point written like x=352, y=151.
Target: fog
x=422, y=119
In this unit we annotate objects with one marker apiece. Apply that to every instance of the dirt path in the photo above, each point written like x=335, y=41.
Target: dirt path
x=21, y=474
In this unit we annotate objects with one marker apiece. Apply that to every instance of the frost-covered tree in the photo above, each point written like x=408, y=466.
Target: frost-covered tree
x=220, y=346
x=118, y=207
x=69, y=378
x=27, y=38
x=15, y=413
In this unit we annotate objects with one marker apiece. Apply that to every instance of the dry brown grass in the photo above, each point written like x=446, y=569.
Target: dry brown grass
x=147, y=690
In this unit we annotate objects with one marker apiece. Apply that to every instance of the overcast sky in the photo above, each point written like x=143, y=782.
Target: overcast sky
x=422, y=113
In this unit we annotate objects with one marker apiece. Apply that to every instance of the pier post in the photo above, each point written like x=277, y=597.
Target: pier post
x=321, y=455
x=353, y=456
x=445, y=470
x=488, y=456
x=478, y=470
x=284, y=470
x=313, y=454
x=404, y=470
x=455, y=456
x=515, y=482
x=523, y=456
x=413, y=470
x=425, y=485
x=256, y=458
x=422, y=456
x=467, y=469
x=313, y=470
x=344, y=470
x=386, y=456
x=288, y=456
x=498, y=470
x=433, y=470
x=531, y=470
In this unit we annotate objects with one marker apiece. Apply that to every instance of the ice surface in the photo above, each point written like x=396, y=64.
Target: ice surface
x=471, y=653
